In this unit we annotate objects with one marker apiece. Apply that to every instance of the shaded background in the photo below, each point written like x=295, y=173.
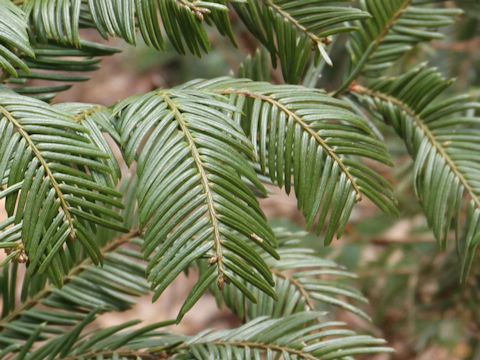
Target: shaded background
x=416, y=301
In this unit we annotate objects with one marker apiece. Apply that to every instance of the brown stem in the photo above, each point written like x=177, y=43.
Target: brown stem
x=306, y=127
x=74, y=271
x=426, y=131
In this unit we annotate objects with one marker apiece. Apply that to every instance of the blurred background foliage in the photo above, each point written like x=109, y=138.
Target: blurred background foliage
x=416, y=299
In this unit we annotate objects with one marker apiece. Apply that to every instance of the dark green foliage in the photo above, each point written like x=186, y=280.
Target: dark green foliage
x=293, y=30
x=193, y=187
x=105, y=204
x=306, y=137
x=13, y=36
x=55, y=62
x=88, y=288
x=302, y=279
x=58, y=181
x=287, y=337
x=395, y=28
x=442, y=138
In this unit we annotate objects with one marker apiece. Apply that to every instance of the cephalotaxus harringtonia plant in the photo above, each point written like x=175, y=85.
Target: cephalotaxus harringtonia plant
x=92, y=237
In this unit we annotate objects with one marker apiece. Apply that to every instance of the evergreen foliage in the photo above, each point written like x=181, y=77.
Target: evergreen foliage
x=94, y=237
